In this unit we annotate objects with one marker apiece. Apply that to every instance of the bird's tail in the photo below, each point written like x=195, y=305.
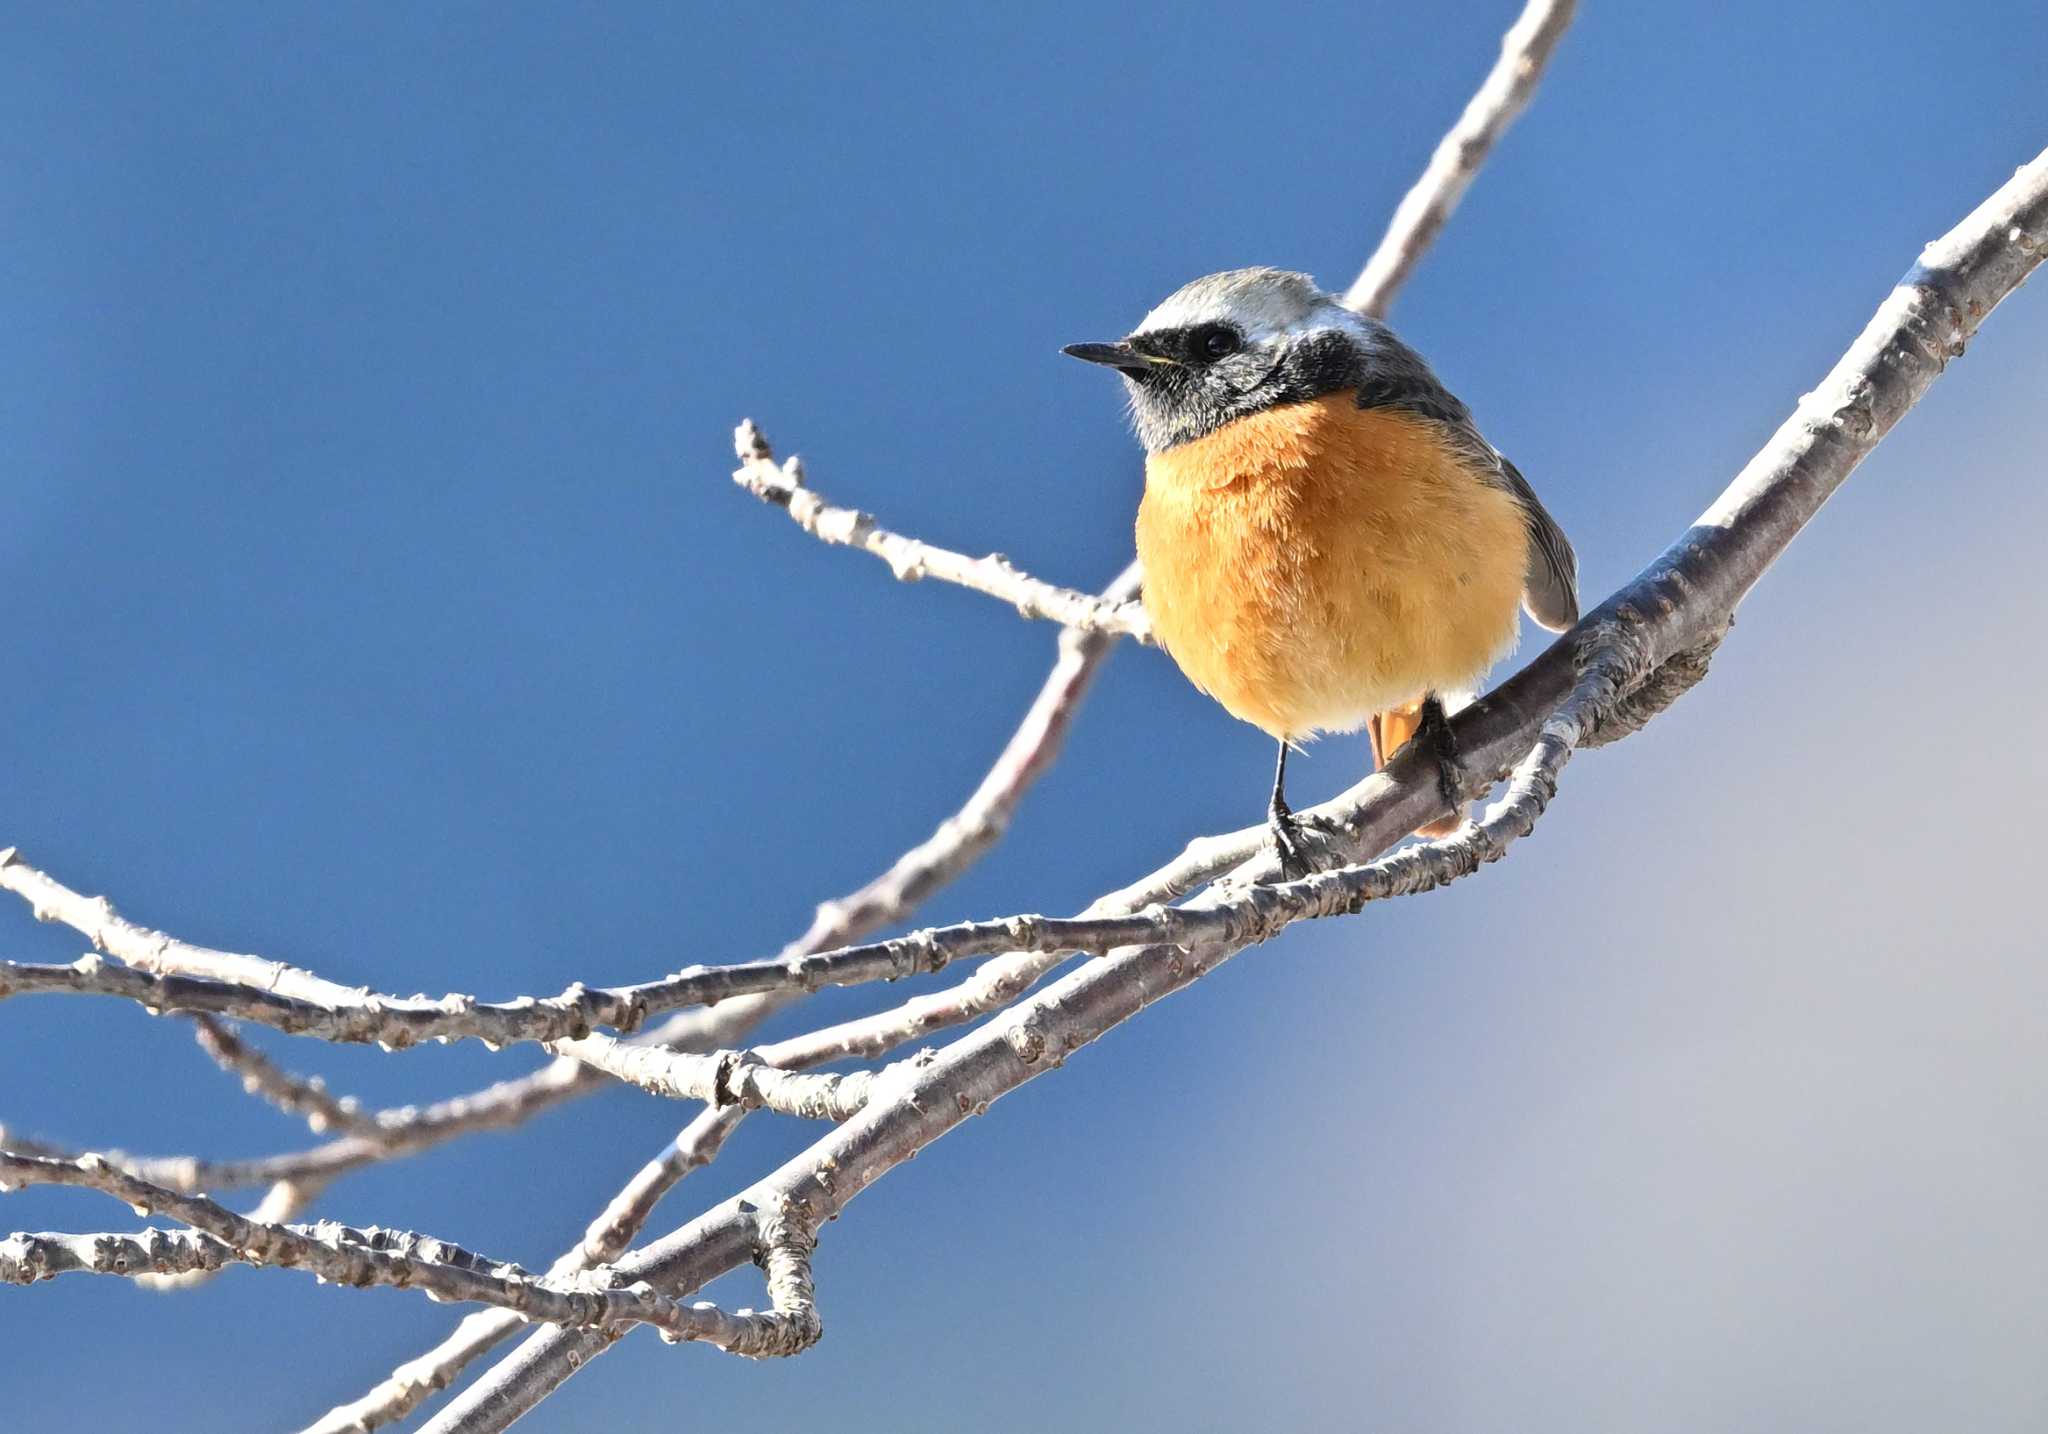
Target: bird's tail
x=1388, y=730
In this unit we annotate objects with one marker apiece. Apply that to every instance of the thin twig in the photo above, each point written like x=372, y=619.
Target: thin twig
x=962, y=838
x=399, y=1023
x=910, y=560
x=1524, y=52
x=303, y=1096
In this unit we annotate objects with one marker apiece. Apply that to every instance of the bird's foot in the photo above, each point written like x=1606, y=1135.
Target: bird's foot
x=1288, y=842
x=1435, y=731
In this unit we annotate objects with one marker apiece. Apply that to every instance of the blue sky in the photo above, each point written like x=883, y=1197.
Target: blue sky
x=377, y=598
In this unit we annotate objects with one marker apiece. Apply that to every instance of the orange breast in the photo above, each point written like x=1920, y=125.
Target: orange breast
x=1316, y=563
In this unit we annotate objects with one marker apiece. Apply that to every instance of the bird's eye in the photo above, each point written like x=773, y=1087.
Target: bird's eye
x=1215, y=341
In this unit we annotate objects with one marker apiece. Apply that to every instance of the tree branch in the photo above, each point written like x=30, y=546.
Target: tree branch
x=95, y=918
x=1250, y=915
x=398, y=1023
x=282, y=1204
x=979, y=823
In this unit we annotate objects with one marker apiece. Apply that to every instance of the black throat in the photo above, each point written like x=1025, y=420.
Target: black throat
x=1177, y=403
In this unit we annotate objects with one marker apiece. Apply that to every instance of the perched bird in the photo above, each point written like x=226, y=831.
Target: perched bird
x=1327, y=541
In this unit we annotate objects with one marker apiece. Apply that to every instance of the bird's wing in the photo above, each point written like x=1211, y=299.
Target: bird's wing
x=1551, y=590
x=1395, y=376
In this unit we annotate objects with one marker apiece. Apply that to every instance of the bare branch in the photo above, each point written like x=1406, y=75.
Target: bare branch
x=400, y=1022
x=697, y=1145
x=281, y=1204
x=958, y=841
x=347, y=1256
x=1524, y=51
x=1680, y=602
x=304, y=1096
x=911, y=560
x=981, y=820
x=95, y=918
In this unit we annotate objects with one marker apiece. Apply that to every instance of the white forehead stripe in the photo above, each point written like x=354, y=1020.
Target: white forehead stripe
x=1258, y=301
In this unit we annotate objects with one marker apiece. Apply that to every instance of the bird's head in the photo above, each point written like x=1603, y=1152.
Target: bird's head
x=1229, y=345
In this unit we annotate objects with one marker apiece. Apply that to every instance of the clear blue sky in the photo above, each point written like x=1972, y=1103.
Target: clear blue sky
x=376, y=597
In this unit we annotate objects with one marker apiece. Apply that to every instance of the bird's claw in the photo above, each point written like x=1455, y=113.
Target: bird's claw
x=1443, y=745
x=1287, y=841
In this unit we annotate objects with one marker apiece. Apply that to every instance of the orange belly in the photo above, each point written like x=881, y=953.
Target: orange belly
x=1314, y=564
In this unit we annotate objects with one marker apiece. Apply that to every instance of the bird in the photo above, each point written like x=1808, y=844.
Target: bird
x=1327, y=541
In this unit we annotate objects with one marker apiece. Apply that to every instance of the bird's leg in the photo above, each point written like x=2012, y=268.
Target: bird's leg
x=1286, y=830
x=1434, y=730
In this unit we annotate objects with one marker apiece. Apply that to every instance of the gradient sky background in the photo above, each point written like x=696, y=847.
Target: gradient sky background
x=376, y=598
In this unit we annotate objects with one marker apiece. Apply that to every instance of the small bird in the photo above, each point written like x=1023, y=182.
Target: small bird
x=1327, y=541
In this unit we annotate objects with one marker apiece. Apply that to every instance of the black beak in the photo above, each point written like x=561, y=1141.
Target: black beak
x=1119, y=355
